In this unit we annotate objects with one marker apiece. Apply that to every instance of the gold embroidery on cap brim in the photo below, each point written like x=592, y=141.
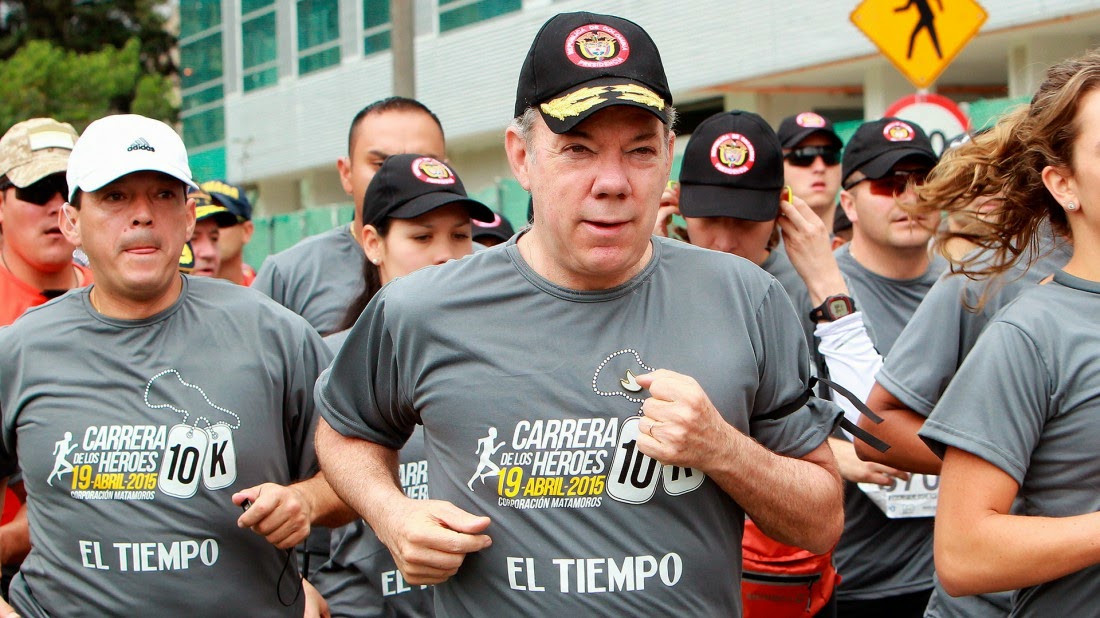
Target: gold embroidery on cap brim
x=638, y=94
x=576, y=103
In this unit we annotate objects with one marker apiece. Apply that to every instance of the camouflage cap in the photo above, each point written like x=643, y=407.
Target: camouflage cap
x=34, y=149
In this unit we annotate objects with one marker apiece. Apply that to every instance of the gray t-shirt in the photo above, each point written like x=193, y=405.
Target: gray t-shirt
x=317, y=278
x=779, y=266
x=1035, y=372
x=134, y=435
x=917, y=373
x=878, y=556
x=360, y=578
x=529, y=408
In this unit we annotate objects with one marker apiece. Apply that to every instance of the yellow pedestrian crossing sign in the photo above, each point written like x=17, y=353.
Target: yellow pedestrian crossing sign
x=920, y=37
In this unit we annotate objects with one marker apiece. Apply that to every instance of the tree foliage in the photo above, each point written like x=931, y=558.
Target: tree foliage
x=44, y=80
x=78, y=60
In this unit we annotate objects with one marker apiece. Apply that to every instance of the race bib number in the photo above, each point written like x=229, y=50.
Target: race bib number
x=181, y=465
x=220, y=465
x=915, y=497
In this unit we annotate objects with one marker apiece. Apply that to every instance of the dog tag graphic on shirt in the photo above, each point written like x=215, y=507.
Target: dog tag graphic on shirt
x=633, y=477
x=219, y=468
x=181, y=464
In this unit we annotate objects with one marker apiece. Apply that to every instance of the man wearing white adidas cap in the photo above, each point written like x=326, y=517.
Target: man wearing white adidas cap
x=148, y=410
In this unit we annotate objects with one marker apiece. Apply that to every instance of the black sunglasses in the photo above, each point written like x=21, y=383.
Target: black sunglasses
x=40, y=192
x=804, y=157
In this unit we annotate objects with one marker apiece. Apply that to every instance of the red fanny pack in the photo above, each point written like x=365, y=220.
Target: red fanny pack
x=782, y=581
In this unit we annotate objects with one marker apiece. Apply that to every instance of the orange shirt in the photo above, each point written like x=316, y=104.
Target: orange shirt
x=17, y=296
x=249, y=275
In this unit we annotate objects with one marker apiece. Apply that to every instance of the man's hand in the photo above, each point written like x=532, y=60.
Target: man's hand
x=681, y=426
x=854, y=469
x=810, y=250
x=316, y=605
x=670, y=205
x=280, y=514
x=429, y=539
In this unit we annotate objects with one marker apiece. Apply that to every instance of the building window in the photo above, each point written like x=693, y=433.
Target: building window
x=259, y=51
x=457, y=13
x=199, y=15
x=318, y=34
x=376, y=26
x=202, y=87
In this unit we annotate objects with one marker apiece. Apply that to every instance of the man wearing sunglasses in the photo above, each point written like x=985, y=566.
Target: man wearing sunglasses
x=885, y=554
x=811, y=161
x=36, y=262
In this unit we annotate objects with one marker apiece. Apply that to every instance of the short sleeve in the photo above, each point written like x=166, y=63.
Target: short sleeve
x=784, y=372
x=359, y=395
x=997, y=404
x=299, y=405
x=269, y=281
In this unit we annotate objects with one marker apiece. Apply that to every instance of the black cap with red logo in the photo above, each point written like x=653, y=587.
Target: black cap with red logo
x=409, y=185
x=732, y=167
x=580, y=63
x=879, y=145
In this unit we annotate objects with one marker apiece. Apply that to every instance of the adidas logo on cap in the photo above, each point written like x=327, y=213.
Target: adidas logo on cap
x=141, y=144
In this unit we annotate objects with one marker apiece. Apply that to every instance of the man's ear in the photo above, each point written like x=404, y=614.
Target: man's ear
x=246, y=231
x=848, y=203
x=191, y=217
x=67, y=218
x=343, y=166
x=518, y=156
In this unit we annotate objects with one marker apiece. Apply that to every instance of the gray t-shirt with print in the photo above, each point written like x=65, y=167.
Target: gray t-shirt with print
x=529, y=406
x=878, y=556
x=134, y=435
x=917, y=373
x=360, y=578
x=317, y=278
x=1035, y=369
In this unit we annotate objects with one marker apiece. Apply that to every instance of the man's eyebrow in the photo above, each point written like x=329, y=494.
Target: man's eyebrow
x=379, y=153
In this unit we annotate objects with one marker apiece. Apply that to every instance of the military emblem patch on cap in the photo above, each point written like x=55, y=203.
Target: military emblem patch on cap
x=430, y=170
x=898, y=131
x=596, y=46
x=809, y=119
x=733, y=154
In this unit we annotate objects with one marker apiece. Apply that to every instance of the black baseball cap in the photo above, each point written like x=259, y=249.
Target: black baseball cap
x=580, y=63
x=732, y=167
x=497, y=228
x=879, y=145
x=796, y=128
x=231, y=196
x=409, y=185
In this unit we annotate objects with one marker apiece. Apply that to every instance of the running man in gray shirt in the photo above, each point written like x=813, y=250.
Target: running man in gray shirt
x=148, y=410
x=320, y=276
x=885, y=553
x=593, y=455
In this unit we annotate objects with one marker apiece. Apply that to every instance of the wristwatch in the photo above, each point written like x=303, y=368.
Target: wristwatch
x=834, y=308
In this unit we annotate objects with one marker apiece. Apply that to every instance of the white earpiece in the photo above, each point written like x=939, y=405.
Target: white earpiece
x=65, y=209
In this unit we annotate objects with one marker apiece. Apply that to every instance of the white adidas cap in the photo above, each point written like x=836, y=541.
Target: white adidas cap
x=115, y=146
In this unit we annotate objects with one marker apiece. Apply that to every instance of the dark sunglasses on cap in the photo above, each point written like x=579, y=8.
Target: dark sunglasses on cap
x=40, y=192
x=893, y=184
x=804, y=157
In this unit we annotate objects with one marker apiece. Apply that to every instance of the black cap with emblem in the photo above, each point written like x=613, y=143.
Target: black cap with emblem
x=732, y=167
x=409, y=185
x=580, y=63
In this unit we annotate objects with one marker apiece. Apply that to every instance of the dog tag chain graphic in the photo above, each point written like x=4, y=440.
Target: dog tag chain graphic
x=192, y=453
x=634, y=476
